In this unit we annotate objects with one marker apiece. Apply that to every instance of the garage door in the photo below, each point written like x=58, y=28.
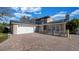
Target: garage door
x=21, y=29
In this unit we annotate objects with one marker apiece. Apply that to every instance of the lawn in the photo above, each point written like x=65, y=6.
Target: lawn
x=3, y=37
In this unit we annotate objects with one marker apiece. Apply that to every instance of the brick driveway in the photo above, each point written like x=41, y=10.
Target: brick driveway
x=39, y=42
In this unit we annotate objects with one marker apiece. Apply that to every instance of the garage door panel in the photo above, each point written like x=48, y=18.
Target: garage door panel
x=22, y=30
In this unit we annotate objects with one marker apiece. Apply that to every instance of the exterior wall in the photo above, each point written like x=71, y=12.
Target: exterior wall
x=59, y=29
x=53, y=29
x=49, y=20
x=14, y=27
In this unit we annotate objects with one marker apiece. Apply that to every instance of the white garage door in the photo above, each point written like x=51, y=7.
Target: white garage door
x=21, y=29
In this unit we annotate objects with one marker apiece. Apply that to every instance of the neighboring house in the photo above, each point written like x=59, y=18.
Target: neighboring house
x=43, y=25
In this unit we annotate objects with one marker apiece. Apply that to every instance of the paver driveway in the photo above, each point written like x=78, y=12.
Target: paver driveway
x=39, y=42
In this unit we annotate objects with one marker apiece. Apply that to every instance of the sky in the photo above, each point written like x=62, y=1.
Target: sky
x=56, y=13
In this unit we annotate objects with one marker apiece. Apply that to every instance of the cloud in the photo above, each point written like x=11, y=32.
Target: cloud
x=13, y=18
x=33, y=9
x=76, y=12
x=27, y=9
x=22, y=14
x=15, y=8
x=38, y=13
x=60, y=14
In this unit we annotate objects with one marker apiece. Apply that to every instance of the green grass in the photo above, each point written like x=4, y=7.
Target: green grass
x=3, y=37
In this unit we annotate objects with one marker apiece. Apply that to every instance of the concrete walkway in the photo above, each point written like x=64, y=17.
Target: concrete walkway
x=40, y=42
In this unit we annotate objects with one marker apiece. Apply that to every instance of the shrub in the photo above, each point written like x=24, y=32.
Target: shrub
x=6, y=30
x=73, y=25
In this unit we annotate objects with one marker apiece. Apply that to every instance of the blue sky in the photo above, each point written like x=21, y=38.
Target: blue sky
x=52, y=11
x=56, y=13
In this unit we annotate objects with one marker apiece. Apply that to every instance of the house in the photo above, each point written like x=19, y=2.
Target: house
x=52, y=27
x=44, y=25
x=22, y=26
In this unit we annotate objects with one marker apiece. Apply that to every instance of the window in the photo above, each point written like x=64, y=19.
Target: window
x=45, y=27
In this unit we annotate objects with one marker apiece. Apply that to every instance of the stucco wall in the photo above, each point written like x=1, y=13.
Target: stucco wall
x=14, y=28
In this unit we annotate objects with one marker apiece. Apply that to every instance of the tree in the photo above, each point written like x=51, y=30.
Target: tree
x=4, y=13
x=73, y=25
x=25, y=19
